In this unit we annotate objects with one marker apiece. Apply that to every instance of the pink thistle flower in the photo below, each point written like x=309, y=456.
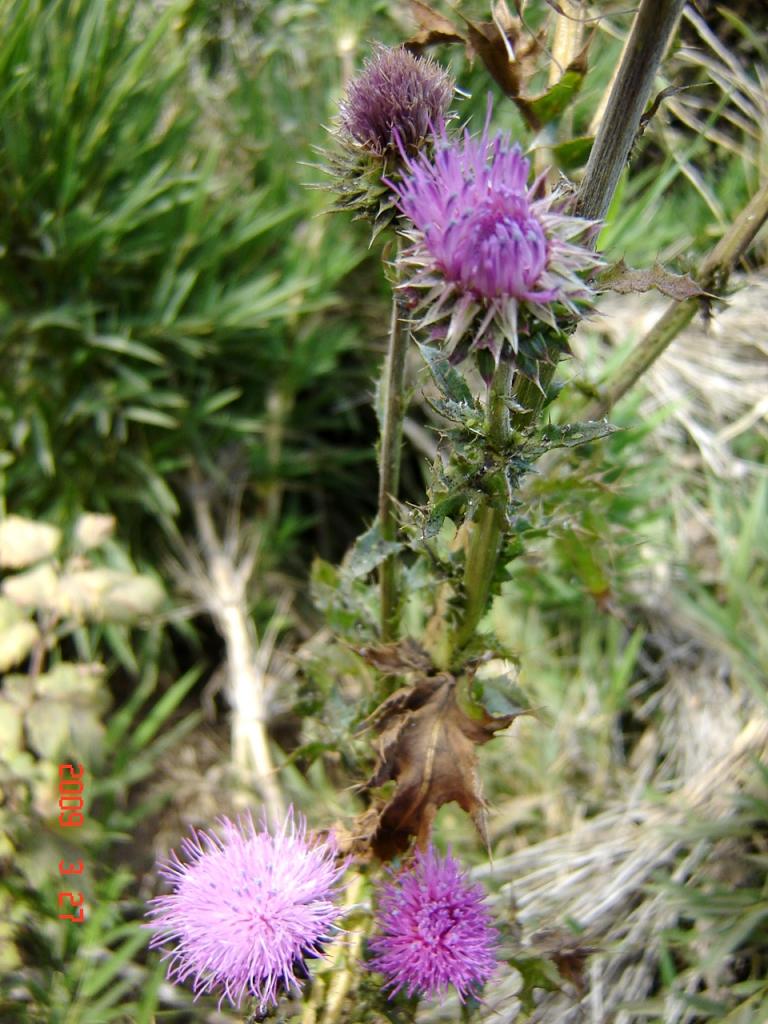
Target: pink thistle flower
x=435, y=930
x=487, y=253
x=396, y=101
x=247, y=908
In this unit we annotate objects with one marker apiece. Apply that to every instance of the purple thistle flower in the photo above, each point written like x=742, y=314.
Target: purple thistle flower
x=396, y=97
x=435, y=930
x=487, y=253
x=247, y=908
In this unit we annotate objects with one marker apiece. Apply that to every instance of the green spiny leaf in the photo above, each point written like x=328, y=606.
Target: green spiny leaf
x=368, y=552
x=448, y=379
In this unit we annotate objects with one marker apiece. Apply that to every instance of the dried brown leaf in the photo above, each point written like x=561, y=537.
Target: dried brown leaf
x=507, y=49
x=427, y=747
x=356, y=841
x=430, y=19
x=396, y=658
x=434, y=28
x=622, y=279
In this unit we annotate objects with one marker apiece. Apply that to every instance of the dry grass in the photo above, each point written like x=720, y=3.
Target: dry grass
x=713, y=379
x=600, y=874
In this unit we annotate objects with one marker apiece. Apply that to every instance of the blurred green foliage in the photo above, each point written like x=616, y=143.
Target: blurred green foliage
x=166, y=284
x=59, y=598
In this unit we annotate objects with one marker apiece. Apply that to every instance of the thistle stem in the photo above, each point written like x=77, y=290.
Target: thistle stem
x=651, y=33
x=713, y=273
x=482, y=552
x=485, y=538
x=345, y=956
x=389, y=466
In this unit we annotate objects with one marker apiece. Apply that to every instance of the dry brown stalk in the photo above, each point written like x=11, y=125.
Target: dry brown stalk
x=713, y=275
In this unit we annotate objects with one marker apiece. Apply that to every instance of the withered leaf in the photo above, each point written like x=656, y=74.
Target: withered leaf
x=356, y=840
x=508, y=50
x=434, y=28
x=426, y=745
x=622, y=279
x=397, y=658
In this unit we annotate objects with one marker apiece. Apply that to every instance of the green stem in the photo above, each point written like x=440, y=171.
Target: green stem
x=345, y=956
x=389, y=466
x=653, y=28
x=486, y=535
x=485, y=538
x=482, y=553
x=498, y=409
x=713, y=274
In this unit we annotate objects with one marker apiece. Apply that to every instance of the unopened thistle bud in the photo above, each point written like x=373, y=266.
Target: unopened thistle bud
x=391, y=110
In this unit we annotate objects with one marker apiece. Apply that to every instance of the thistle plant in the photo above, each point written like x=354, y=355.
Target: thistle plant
x=491, y=269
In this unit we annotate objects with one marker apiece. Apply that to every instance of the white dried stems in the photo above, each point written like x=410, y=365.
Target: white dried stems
x=220, y=574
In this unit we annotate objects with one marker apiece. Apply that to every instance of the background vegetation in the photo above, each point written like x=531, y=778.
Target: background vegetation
x=187, y=346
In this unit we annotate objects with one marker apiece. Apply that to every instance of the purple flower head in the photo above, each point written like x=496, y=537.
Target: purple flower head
x=488, y=255
x=396, y=100
x=247, y=908
x=435, y=930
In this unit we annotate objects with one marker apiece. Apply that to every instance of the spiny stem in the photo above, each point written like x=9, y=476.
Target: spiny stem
x=389, y=466
x=482, y=552
x=497, y=413
x=485, y=538
x=483, y=548
x=713, y=273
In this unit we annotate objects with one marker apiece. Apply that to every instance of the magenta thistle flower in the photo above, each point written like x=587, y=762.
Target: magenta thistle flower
x=488, y=256
x=247, y=908
x=435, y=930
x=396, y=100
